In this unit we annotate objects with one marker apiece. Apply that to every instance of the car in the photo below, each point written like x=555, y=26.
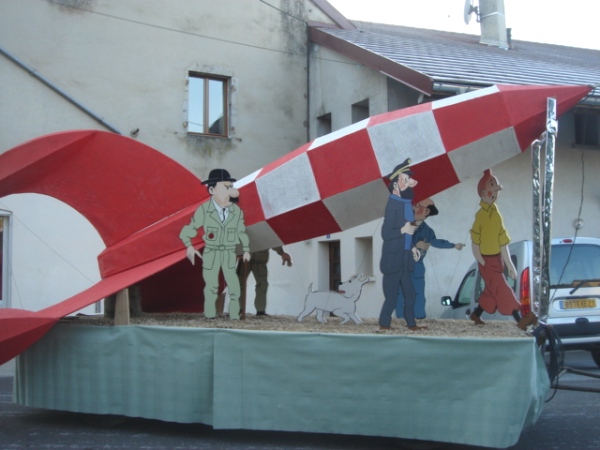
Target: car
x=574, y=296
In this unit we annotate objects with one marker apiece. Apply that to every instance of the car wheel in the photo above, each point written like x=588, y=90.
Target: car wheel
x=596, y=355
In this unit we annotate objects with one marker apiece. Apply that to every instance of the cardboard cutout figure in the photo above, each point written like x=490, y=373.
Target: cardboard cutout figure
x=259, y=269
x=423, y=238
x=490, y=248
x=224, y=228
x=398, y=255
x=342, y=302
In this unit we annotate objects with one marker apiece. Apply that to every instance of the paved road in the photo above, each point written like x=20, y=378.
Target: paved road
x=571, y=420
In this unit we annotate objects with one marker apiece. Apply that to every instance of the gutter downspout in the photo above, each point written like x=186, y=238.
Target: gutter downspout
x=308, y=51
x=60, y=92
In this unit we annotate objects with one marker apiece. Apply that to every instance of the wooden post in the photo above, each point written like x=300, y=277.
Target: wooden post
x=122, y=308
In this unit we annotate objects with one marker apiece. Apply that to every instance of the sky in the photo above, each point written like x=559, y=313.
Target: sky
x=573, y=23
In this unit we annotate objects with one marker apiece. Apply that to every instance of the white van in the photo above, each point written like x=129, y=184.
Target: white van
x=574, y=306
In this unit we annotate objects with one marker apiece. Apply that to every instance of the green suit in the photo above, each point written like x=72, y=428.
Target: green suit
x=220, y=240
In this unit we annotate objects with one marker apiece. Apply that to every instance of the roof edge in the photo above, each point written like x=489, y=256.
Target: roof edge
x=403, y=74
x=334, y=14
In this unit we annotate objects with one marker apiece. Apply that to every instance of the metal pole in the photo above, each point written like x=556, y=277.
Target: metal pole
x=536, y=268
x=551, y=132
x=542, y=211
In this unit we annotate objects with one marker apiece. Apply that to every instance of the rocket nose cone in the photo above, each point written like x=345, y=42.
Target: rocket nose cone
x=527, y=105
x=568, y=96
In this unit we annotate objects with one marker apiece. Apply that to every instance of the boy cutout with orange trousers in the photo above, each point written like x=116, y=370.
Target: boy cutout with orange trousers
x=490, y=248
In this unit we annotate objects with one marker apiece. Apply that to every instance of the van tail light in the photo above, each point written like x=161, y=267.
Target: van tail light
x=525, y=293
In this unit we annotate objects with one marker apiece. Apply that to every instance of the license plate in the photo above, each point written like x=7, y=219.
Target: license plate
x=580, y=303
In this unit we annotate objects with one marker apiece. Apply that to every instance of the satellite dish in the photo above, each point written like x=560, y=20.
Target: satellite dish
x=468, y=10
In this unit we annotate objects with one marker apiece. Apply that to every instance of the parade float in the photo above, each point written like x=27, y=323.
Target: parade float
x=461, y=389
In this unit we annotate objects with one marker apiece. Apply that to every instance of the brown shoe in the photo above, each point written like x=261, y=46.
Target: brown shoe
x=529, y=319
x=475, y=318
x=417, y=328
x=382, y=328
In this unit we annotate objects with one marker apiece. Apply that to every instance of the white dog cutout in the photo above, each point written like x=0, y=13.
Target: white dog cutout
x=342, y=302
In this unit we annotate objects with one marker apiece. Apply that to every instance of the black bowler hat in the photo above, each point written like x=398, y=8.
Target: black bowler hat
x=403, y=167
x=217, y=176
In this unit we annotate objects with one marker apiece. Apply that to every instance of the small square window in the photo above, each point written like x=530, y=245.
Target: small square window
x=587, y=130
x=360, y=111
x=208, y=105
x=324, y=125
x=364, y=256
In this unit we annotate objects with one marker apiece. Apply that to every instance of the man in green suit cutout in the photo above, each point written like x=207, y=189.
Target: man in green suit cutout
x=224, y=228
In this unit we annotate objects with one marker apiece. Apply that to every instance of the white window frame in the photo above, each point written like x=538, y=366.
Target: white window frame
x=208, y=102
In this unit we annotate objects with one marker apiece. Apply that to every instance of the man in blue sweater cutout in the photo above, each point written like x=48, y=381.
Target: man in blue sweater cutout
x=423, y=238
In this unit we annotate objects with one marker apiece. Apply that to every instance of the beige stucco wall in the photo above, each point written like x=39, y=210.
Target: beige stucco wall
x=128, y=62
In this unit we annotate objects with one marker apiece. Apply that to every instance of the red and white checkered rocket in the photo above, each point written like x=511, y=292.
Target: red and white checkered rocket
x=338, y=181
x=138, y=199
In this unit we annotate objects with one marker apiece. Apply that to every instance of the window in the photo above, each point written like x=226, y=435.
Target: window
x=466, y=291
x=360, y=111
x=364, y=256
x=586, y=129
x=573, y=263
x=323, y=124
x=208, y=105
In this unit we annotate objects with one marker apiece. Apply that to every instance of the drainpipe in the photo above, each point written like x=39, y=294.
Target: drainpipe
x=308, y=51
x=60, y=92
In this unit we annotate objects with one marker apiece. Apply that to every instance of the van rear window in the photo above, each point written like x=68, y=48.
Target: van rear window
x=569, y=263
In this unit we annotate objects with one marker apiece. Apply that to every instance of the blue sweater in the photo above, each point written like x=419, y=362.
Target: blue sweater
x=425, y=233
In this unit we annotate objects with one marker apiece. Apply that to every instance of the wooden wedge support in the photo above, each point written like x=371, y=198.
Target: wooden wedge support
x=122, y=308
